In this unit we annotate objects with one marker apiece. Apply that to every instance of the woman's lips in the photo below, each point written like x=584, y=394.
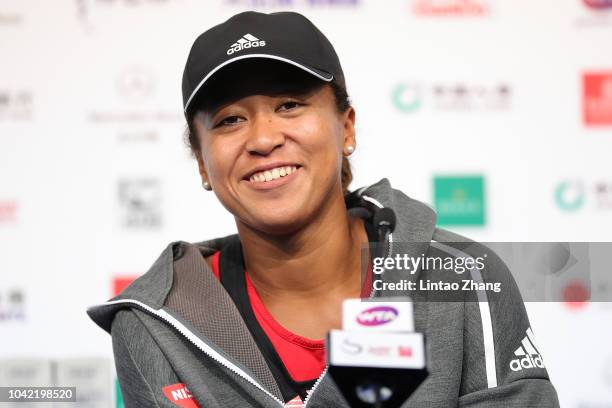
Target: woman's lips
x=267, y=185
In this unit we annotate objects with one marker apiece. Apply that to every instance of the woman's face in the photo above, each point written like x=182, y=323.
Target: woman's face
x=272, y=146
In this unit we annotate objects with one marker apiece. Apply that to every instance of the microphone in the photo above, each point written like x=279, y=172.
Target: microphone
x=384, y=222
x=377, y=360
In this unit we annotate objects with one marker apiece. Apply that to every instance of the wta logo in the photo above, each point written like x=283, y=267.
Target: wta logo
x=246, y=41
x=377, y=316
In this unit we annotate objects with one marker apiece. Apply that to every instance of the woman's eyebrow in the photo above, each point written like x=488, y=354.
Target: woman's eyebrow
x=299, y=94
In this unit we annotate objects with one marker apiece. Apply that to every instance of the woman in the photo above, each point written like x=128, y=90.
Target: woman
x=238, y=321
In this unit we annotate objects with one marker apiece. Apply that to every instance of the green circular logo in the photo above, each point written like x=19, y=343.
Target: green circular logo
x=407, y=97
x=569, y=195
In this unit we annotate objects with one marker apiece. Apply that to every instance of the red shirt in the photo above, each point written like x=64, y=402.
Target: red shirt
x=303, y=358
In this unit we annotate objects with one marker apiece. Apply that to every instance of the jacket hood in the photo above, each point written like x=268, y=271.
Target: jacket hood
x=415, y=224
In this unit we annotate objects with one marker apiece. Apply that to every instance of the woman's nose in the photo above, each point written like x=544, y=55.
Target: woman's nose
x=264, y=134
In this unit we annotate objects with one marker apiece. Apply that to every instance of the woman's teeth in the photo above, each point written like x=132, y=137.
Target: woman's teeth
x=272, y=174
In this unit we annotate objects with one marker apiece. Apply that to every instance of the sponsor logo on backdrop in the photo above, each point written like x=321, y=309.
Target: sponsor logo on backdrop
x=180, y=396
x=10, y=19
x=136, y=83
x=25, y=370
x=574, y=195
x=120, y=283
x=90, y=376
x=597, y=98
x=377, y=316
x=603, y=195
x=598, y=4
x=12, y=305
x=407, y=97
x=137, y=102
x=16, y=105
x=569, y=195
x=412, y=97
x=85, y=9
x=460, y=201
x=527, y=355
x=576, y=295
x=444, y=8
x=290, y=3
x=140, y=203
x=12, y=13
x=8, y=211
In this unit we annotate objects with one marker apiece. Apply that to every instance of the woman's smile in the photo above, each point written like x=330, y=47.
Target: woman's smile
x=273, y=177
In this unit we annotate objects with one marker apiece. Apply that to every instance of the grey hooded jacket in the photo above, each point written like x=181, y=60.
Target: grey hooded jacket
x=177, y=324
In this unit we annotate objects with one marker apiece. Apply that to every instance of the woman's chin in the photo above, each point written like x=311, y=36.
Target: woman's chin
x=278, y=222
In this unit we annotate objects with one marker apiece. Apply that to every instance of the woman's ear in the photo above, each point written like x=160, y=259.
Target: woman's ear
x=201, y=167
x=348, y=118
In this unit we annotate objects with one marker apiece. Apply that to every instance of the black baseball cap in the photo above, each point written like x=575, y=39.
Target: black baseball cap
x=283, y=36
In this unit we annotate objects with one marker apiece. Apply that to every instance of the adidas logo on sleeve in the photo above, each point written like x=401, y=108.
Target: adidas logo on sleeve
x=246, y=41
x=527, y=354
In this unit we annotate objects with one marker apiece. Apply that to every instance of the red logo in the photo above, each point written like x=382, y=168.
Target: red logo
x=598, y=4
x=405, y=351
x=120, y=283
x=450, y=8
x=597, y=98
x=576, y=295
x=180, y=396
x=8, y=211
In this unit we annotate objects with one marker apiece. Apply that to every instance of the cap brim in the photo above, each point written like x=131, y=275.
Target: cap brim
x=325, y=76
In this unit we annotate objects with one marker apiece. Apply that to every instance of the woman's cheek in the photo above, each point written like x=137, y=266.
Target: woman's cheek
x=314, y=134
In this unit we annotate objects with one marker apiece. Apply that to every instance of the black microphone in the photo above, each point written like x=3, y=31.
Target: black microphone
x=384, y=222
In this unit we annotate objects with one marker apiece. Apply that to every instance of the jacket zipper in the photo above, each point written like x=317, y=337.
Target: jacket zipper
x=200, y=344
x=316, y=384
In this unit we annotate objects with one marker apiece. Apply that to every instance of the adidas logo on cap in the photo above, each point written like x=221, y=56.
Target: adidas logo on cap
x=528, y=355
x=246, y=41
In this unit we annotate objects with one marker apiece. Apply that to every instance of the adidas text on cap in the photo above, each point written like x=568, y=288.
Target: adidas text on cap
x=284, y=36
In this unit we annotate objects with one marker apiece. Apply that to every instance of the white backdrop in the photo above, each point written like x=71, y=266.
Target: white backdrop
x=95, y=180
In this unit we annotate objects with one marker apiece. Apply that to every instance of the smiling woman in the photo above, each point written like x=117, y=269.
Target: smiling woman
x=240, y=321
x=269, y=135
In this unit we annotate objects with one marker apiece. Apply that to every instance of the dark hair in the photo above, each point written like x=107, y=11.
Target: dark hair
x=342, y=104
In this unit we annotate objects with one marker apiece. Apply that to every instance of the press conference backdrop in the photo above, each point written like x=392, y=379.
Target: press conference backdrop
x=496, y=112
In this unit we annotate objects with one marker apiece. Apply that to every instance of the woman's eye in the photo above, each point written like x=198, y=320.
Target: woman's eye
x=289, y=105
x=228, y=121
